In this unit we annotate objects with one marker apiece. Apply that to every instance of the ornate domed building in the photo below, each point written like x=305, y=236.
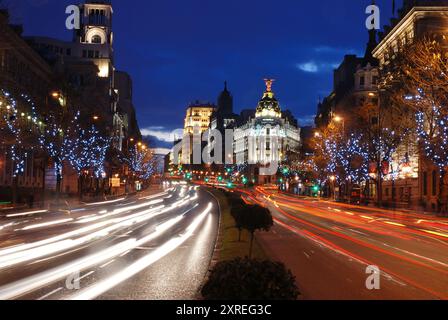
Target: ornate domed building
x=266, y=138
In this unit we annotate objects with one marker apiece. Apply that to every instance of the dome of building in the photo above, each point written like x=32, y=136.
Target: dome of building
x=268, y=107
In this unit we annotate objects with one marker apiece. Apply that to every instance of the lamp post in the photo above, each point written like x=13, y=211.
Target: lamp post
x=333, y=180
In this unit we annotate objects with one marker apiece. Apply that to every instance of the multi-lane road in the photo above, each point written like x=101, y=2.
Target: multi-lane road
x=159, y=246
x=329, y=246
x=151, y=246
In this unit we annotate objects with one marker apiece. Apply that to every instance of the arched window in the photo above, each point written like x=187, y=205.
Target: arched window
x=96, y=39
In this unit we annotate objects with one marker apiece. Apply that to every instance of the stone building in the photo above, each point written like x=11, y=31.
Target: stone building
x=417, y=181
x=24, y=77
x=266, y=138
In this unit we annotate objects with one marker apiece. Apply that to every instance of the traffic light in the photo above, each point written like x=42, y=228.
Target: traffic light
x=244, y=180
x=229, y=185
x=316, y=188
x=207, y=179
x=220, y=178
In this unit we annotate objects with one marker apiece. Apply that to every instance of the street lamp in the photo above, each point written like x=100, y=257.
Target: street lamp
x=341, y=120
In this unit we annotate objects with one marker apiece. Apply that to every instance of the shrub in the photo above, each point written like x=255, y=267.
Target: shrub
x=247, y=279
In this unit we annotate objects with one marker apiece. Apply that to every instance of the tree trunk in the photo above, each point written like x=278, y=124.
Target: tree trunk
x=58, y=186
x=379, y=185
x=44, y=177
x=15, y=182
x=239, y=234
x=80, y=187
x=442, y=208
x=251, y=244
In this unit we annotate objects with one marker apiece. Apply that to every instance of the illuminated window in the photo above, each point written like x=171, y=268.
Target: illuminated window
x=96, y=39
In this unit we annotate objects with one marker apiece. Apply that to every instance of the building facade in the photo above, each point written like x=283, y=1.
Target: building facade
x=197, y=121
x=24, y=77
x=266, y=138
x=92, y=45
x=413, y=180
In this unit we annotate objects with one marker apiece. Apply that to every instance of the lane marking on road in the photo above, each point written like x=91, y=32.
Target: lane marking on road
x=435, y=233
x=50, y=293
x=107, y=263
x=395, y=224
x=358, y=232
x=86, y=275
x=417, y=255
x=125, y=253
x=306, y=255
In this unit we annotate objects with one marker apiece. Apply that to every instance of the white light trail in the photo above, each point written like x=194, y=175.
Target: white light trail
x=21, y=287
x=45, y=224
x=25, y=213
x=104, y=202
x=141, y=264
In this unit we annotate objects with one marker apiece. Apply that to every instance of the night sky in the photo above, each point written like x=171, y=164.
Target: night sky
x=178, y=51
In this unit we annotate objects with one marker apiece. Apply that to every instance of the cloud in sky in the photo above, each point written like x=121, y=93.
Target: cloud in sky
x=162, y=134
x=306, y=121
x=335, y=50
x=316, y=67
x=161, y=151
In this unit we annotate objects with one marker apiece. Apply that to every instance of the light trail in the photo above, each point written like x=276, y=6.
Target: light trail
x=104, y=202
x=24, y=286
x=45, y=224
x=141, y=264
x=332, y=246
x=25, y=213
x=79, y=231
x=47, y=247
x=363, y=243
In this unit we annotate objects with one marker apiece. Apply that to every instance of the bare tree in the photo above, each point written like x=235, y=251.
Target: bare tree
x=419, y=76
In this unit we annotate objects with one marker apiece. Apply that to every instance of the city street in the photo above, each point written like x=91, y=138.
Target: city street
x=328, y=246
x=156, y=246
